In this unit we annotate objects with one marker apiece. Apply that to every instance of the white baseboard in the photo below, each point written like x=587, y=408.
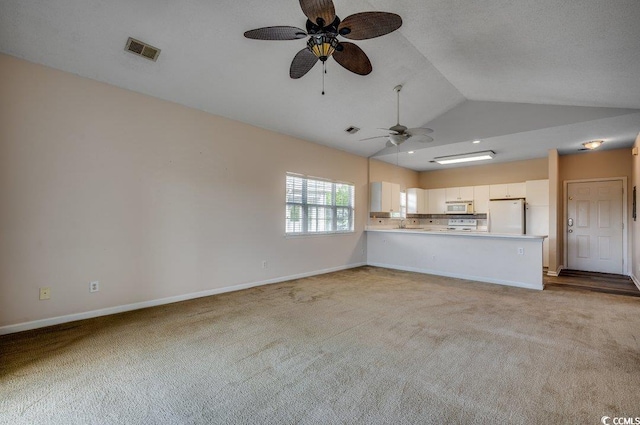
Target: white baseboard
x=35, y=324
x=556, y=272
x=457, y=275
x=635, y=280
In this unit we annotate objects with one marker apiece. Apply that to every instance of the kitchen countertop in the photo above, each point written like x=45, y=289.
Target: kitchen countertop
x=472, y=233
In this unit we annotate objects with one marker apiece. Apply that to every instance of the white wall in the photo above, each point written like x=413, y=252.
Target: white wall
x=151, y=198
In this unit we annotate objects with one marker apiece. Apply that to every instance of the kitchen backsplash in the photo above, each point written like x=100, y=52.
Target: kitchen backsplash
x=385, y=222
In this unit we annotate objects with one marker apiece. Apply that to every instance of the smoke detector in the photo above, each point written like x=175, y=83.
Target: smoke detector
x=141, y=48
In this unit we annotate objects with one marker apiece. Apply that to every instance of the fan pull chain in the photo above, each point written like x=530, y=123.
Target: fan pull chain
x=324, y=71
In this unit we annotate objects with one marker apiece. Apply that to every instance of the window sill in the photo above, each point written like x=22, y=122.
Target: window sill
x=314, y=235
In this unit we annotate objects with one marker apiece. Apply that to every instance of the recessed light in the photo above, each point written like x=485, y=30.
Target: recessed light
x=475, y=142
x=411, y=152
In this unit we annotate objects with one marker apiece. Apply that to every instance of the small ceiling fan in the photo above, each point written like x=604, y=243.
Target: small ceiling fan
x=399, y=134
x=323, y=28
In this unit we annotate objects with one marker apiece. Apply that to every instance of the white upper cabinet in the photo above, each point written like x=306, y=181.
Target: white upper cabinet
x=436, y=201
x=417, y=201
x=454, y=194
x=385, y=197
x=509, y=190
x=537, y=192
x=481, y=199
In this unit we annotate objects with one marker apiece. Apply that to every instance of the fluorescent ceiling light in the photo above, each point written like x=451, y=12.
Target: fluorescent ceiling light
x=465, y=157
x=410, y=152
x=475, y=142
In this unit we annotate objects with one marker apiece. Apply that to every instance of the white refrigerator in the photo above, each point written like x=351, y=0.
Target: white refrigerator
x=507, y=216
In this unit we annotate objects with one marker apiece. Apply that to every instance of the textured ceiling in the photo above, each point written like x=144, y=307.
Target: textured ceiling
x=469, y=68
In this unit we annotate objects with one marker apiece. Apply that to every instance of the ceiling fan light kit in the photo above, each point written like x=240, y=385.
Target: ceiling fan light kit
x=465, y=157
x=322, y=46
x=324, y=28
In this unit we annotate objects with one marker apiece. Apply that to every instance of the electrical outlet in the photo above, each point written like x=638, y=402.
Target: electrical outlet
x=264, y=264
x=94, y=286
x=45, y=293
x=520, y=251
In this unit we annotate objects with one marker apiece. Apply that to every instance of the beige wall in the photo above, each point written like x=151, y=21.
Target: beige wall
x=635, y=225
x=596, y=164
x=592, y=166
x=508, y=172
x=151, y=198
x=380, y=171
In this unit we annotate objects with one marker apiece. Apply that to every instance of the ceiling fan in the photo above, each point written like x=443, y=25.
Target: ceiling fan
x=399, y=133
x=323, y=28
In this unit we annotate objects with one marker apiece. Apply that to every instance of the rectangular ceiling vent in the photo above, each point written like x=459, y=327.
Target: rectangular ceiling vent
x=142, y=49
x=352, y=130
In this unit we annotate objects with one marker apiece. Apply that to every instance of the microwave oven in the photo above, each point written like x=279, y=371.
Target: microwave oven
x=464, y=207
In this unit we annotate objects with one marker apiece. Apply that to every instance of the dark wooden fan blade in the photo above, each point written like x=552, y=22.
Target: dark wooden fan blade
x=302, y=63
x=276, y=33
x=353, y=58
x=361, y=26
x=322, y=9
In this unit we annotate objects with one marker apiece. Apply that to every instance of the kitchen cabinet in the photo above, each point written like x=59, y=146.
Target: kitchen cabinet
x=509, y=190
x=417, y=201
x=481, y=199
x=537, y=219
x=436, y=201
x=537, y=192
x=385, y=197
x=454, y=194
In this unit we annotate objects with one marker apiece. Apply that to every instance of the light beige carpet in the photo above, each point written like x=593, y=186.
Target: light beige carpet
x=366, y=345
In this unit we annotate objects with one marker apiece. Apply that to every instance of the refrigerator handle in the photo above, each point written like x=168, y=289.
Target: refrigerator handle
x=489, y=220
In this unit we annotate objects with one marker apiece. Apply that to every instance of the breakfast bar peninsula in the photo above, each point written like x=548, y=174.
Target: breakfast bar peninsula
x=505, y=259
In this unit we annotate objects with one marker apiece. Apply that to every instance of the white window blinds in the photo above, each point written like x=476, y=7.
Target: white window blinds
x=318, y=206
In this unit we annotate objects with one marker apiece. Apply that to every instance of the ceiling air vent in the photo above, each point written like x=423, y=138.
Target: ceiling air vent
x=142, y=49
x=352, y=130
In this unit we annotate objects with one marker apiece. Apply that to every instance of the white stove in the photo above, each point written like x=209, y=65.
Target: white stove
x=462, y=224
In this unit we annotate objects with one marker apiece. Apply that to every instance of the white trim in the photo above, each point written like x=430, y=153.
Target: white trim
x=35, y=324
x=456, y=275
x=556, y=272
x=625, y=222
x=635, y=280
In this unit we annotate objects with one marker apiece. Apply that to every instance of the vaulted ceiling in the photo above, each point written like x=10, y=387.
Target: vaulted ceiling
x=523, y=77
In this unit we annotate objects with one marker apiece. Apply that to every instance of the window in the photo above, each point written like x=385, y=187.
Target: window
x=318, y=206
